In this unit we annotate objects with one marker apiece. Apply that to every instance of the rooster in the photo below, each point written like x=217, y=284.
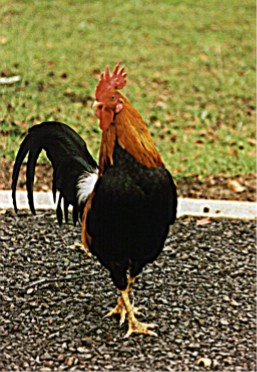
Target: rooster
x=126, y=202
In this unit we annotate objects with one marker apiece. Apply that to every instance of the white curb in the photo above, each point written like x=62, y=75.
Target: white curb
x=186, y=207
x=217, y=208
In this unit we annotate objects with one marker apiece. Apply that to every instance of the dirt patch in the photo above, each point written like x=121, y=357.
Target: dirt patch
x=239, y=187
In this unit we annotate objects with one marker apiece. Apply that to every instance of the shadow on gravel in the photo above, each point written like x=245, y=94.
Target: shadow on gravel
x=200, y=292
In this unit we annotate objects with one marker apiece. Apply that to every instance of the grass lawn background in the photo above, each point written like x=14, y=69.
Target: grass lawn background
x=190, y=64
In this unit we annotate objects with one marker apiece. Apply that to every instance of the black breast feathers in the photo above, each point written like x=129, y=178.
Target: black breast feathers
x=130, y=215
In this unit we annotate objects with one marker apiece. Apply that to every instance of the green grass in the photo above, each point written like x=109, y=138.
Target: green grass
x=191, y=74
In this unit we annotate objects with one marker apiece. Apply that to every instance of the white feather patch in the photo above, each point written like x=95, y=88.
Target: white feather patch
x=85, y=185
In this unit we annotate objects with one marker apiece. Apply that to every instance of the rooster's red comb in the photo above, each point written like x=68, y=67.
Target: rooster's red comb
x=116, y=79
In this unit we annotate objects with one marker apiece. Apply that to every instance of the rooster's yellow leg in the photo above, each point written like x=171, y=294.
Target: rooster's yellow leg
x=120, y=308
x=134, y=325
x=136, y=310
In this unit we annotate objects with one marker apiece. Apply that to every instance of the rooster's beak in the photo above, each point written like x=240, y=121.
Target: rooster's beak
x=96, y=104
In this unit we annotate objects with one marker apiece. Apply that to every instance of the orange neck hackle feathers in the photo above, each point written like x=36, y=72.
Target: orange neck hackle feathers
x=126, y=125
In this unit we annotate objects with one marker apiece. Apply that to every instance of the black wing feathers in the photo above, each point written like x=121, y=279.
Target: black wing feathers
x=69, y=156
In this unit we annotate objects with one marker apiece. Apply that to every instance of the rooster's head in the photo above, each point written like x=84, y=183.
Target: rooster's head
x=108, y=100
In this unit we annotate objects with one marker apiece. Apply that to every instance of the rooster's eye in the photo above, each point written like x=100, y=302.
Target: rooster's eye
x=112, y=98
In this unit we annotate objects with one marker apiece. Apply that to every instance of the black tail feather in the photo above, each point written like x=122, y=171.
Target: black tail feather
x=54, y=186
x=30, y=174
x=59, y=210
x=66, y=210
x=75, y=214
x=23, y=150
x=69, y=156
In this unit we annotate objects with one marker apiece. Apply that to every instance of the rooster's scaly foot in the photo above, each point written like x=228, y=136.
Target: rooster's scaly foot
x=81, y=246
x=137, y=327
x=134, y=325
x=119, y=309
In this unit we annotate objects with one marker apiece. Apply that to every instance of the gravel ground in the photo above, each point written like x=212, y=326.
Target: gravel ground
x=200, y=292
